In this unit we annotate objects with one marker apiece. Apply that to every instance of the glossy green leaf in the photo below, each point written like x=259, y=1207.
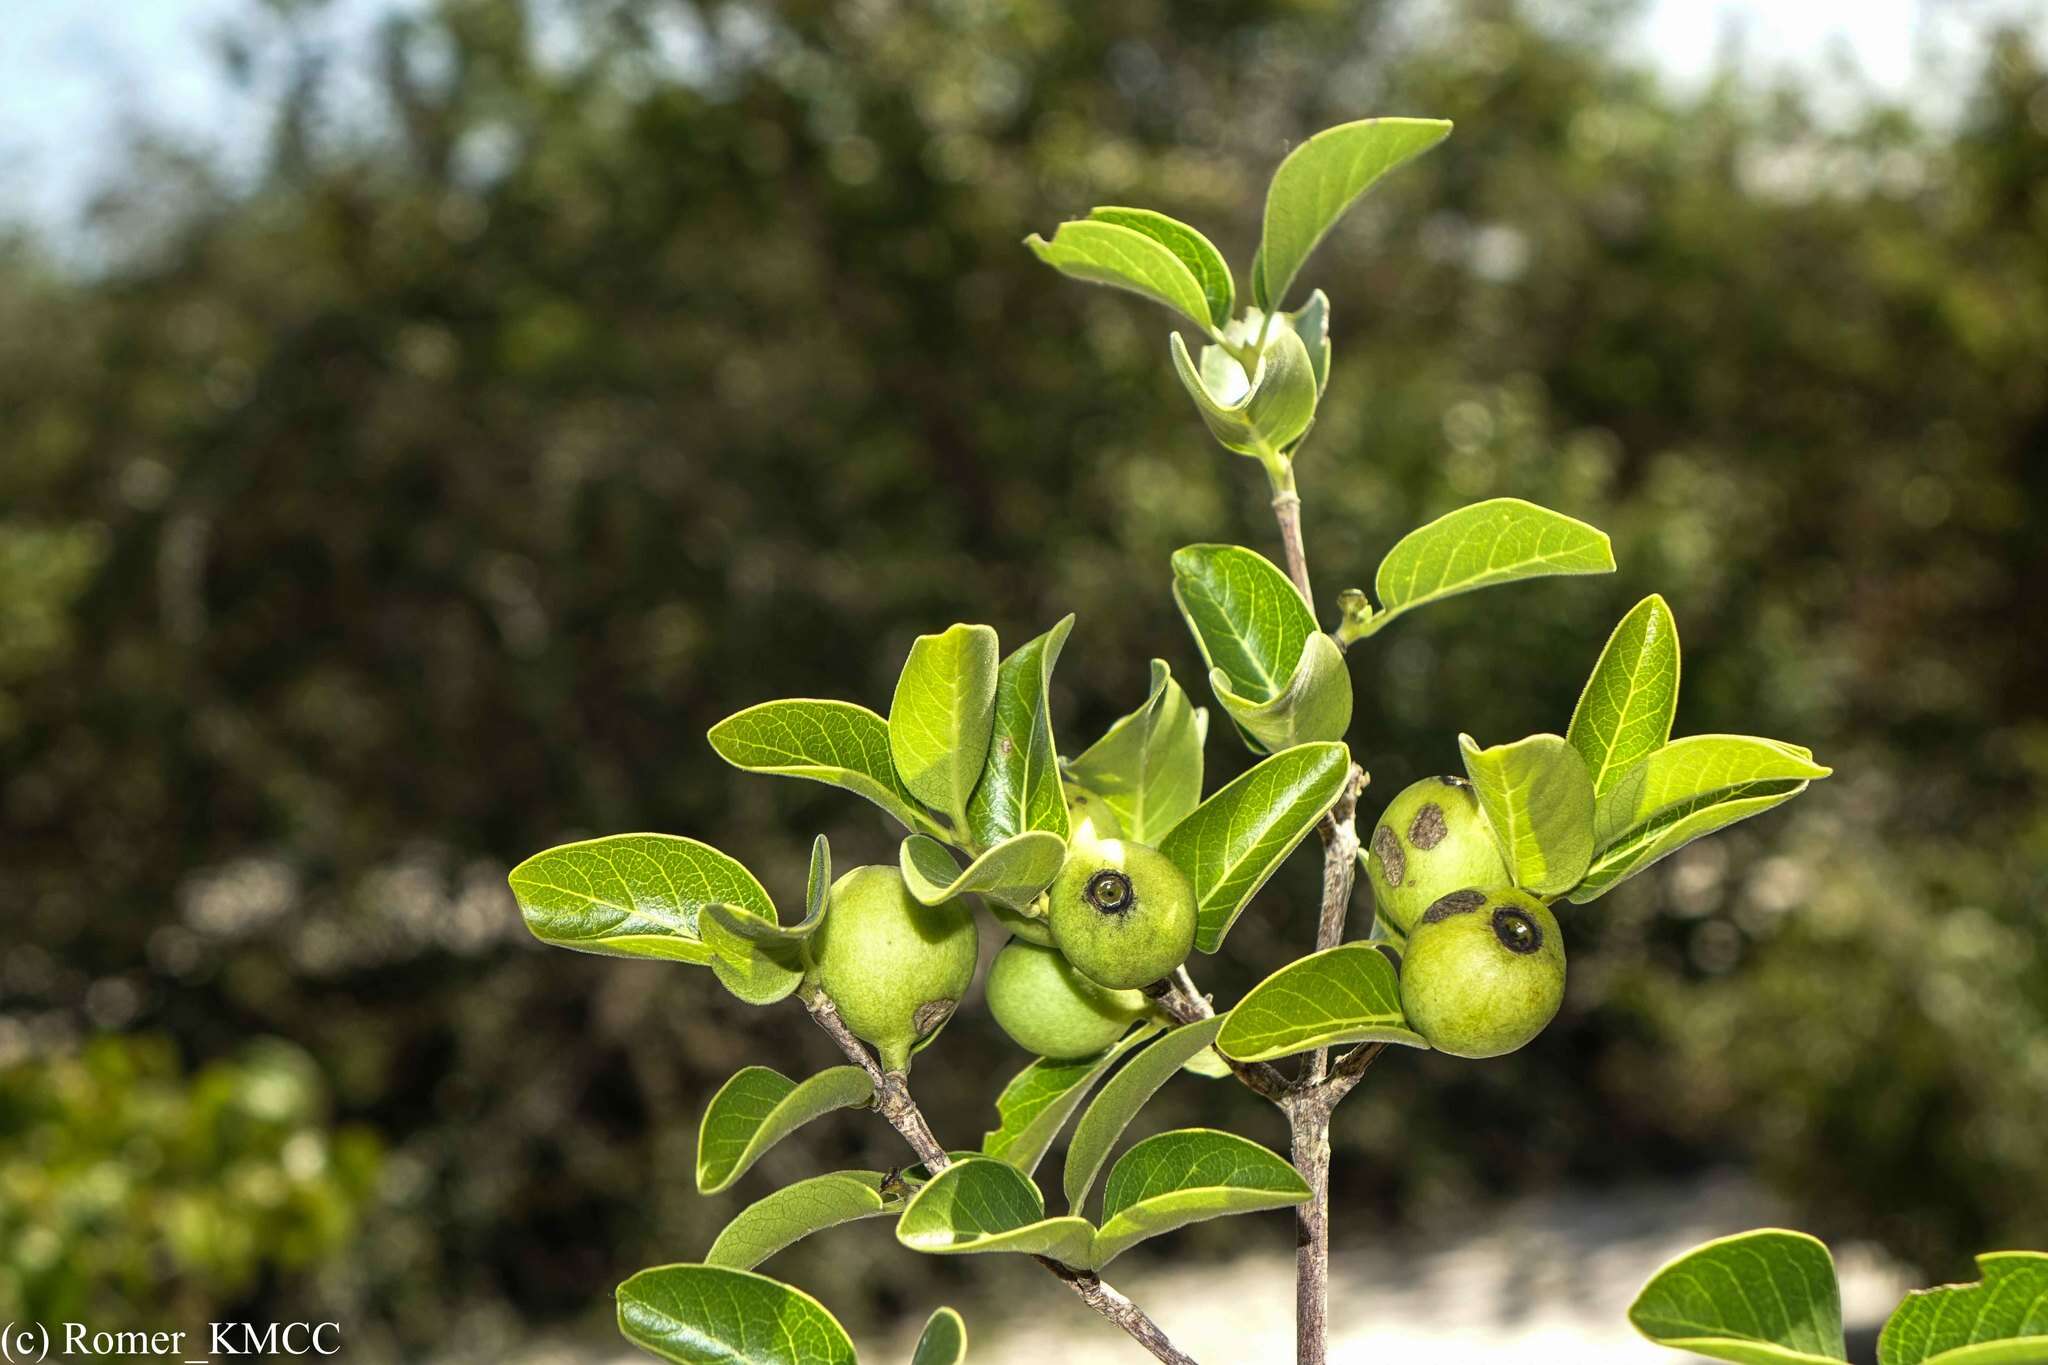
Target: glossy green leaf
x=1013, y=872
x=978, y=1205
x=834, y=742
x=1625, y=713
x=1124, y=258
x=758, y=961
x=1247, y=619
x=1538, y=800
x=1040, y=1099
x=2000, y=1320
x=941, y=715
x=1019, y=786
x=1758, y=1298
x=631, y=895
x=1672, y=829
x=1497, y=541
x=1231, y=843
x=1689, y=788
x=1314, y=705
x=714, y=1315
x=1696, y=766
x=1194, y=251
x=1121, y=1099
x=943, y=1341
x=1185, y=1176
x=1260, y=414
x=1346, y=994
x=758, y=1108
x=1319, y=181
x=1148, y=767
x=796, y=1211
x=1311, y=322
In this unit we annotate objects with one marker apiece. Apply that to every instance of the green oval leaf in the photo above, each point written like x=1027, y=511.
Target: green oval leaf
x=2000, y=1320
x=1148, y=766
x=1766, y=1297
x=755, y=960
x=1538, y=801
x=1013, y=872
x=1315, y=704
x=1689, y=788
x=631, y=895
x=1120, y=1101
x=1231, y=843
x=1497, y=541
x=1625, y=713
x=713, y=1315
x=978, y=1205
x=1123, y=258
x=941, y=715
x=793, y=1213
x=943, y=1341
x=1185, y=1176
x=758, y=1108
x=1247, y=619
x=1194, y=251
x=1319, y=181
x=834, y=742
x=1037, y=1102
x=1346, y=994
x=1260, y=414
x=1019, y=785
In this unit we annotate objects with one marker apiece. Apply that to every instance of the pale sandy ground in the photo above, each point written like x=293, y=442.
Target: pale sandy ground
x=1544, y=1280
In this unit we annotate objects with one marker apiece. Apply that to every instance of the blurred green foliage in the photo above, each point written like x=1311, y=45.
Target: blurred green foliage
x=131, y=1192
x=575, y=376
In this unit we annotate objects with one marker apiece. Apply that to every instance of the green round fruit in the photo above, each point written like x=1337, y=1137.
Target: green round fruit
x=895, y=969
x=1051, y=1010
x=1089, y=816
x=1122, y=913
x=1431, y=840
x=1029, y=927
x=1483, y=972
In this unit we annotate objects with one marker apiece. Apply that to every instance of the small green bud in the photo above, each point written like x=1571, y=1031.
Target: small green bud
x=1121, y=912
x=1432, y=839
x=1483, y=972
x=1051, y=1010
x=895, y=969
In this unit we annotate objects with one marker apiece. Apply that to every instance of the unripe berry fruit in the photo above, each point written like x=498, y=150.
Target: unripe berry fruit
x=1121, y=912
x=1483, y=972
x=1051, y=1010
x=1431, y=840
x=895, y=969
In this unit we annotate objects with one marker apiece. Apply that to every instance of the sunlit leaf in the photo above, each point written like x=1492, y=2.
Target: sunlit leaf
x=758, y=1108
x=1040, y=1099
x=1346, y=994
x=1319, y=181
x=793, y=1213
x=834, y=742
x=1148, y=766
x=941, y=715
x=1013, y=872
x=1124, y=258
x=1185, y=1176
x=1019, y=787
x=2000, y=1320
x=1120, y=1101
x=1766, y=1297
x=1538, y=800
x=713, y=1315
x=1194, y=251
x=1497, y=541
x=1625, y=713
x=632, y=895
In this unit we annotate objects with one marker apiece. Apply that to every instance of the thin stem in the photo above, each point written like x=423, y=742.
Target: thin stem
x=1287, y=511
x=893, y=1102
x=1188, y=1005
x=1114, y=1306
x=1309, y=1120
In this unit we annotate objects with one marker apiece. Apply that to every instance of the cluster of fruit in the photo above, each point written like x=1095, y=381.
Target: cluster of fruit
x=1119, y=916
x=1481, y=963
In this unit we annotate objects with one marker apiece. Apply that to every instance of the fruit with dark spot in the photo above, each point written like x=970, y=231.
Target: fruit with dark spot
x=1051, y=1010
x=1483, y=971
x=1432, y=838
x=895, y=969
x=1121, y=912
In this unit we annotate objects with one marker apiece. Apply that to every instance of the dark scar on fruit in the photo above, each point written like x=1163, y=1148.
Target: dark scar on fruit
x=930, y=1015
x=1387, y=848
x=1456, y=903
x=1428, y=829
